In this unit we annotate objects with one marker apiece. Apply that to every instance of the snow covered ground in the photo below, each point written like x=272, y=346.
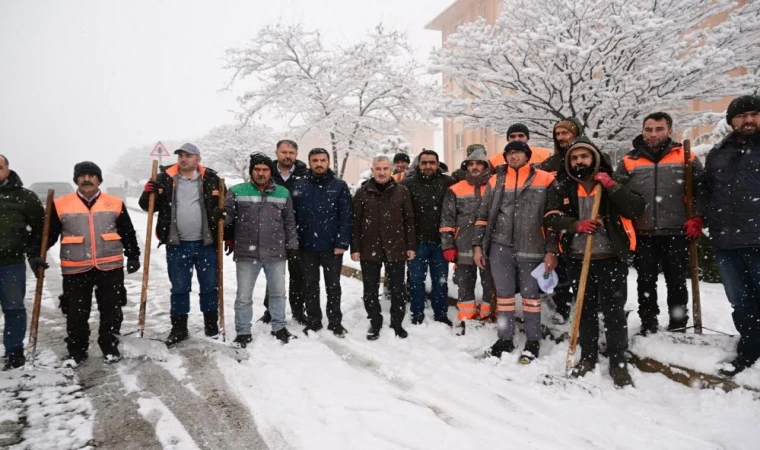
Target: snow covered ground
x=431, y=390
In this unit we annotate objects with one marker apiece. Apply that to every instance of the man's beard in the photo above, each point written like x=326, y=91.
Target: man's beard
x=747, y=131
x=581, y=171
x=659, y=145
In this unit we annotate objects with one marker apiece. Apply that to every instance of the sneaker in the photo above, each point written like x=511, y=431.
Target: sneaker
x=401, y=333
x=559, y=318
x=444, y=320
x=313, y=327
x=461, y=328
x=530, y=352
x=74, y=360
x=111, y=357
x=583, y=367
x=373, y=333
x=242, y=340
x=737, y=365
x=418, y=320
x=283, y=335
x=14, y=360
x=337, y=329
x=179, y=331
x=211, y=324
x=266, y=317
x=501, y=346
x=620, y=376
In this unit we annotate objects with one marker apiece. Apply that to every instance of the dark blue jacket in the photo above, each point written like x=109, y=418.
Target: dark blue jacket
x=732, y=182
x=323, y=212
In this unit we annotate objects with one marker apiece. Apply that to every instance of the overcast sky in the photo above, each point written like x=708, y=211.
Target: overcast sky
x=85, y=80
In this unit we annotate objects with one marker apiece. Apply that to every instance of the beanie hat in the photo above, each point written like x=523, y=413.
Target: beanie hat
x=259, y=158
x=519, y=146
x=87, y=168
x=401, y=157
x=472, y=147
x=568, y=125
x=742, y=104
x=518, y=128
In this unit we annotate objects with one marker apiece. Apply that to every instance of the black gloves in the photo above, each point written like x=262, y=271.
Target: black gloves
x=133, y=265
x=217, y=214
x=35, y=263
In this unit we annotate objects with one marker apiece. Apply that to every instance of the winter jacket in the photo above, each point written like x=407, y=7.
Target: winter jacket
x=732, y=189
x=556, y=162
x=460, y=208
x=21, y=219
x=262, y=224
x=113, y=231
x=512, y=211
x=382, y=222
x=322, y=207
x=660, y=180
x=166, y=227
x=427, y=199
x=619, y=206
x=539, y=155
x=299, y=172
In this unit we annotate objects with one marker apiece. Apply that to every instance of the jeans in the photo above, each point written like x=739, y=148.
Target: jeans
x=394, y=271
x=247, y=272
x=12, y=291
x=428, y=255
x=331, y=266
x=740, y=270
x=673, y=253
x=296, y=293
x=180, y=261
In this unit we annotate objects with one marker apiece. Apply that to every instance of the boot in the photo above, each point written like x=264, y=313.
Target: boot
x=501, y=346
x=283, y=335
x=583, y=367
x=337, y=329
x=620, y=375
x=74, y=360
x=560, y=318
x=179, y=331
x=678, y=325
x=400, y=331
x=313, y=327
x=266, y=317
x=530, y=352
x=374, y=332
x=649, y=325
x=737, y=365
x=242, y=340
x=417, y=320
x=301, y=319
x=113, y=356
x=461, y=329
x=445, y=320
x=14, y=360
x=211, y=323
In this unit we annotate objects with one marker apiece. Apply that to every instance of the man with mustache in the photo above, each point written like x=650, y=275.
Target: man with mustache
x=733, y=217
x=187, y=201
x=656, y=170
x=96, y=233
x=565, y=132
x=589, y=173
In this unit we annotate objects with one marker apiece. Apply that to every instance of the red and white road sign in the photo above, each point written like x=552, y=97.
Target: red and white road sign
x=159, y=150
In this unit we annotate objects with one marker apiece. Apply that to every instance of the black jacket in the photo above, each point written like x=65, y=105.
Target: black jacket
x=21, y=217
x=427, y=201
x=165, y=197
x=732, y=186
x=299, y=172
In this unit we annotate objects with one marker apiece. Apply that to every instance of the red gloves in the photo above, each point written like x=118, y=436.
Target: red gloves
x=151, y=186
x=693, y=228
x=587, y=226
x=606, y=180
x=229, y=246
x=450, y=255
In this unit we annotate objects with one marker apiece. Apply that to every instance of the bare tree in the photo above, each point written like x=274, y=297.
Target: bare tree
x=227, y=148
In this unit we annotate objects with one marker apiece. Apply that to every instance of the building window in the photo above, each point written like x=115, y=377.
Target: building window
x=459, y=141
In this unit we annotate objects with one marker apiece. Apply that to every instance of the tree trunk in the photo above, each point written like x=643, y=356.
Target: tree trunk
x=334, y=145
x=343, y=165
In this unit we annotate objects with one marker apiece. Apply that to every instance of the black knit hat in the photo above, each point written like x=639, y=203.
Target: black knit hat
x=742, y=104
x=518, y=128
x=519, y=146
x=259, y=158
x=87, y=168
x=399, y=157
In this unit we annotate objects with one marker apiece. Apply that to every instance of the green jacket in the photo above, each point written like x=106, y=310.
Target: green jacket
x=21, y=219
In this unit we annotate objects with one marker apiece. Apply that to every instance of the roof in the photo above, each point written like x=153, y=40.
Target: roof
x=444, y=17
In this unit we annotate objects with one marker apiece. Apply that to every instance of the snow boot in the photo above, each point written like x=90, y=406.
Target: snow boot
x=737, y=365
x=677, y=325
x=112, y=356
x=266, y=317
x=74, y=360
x=445, y=320
x=242, y=340
x=461, y=329
x=530, y=352
x=583, y=367
x=648, y=326
x=14, y=360
x=400, y=331
x=211, y=323
x=283, y=335
x=417, y=320
x=313, y=327
x=501, y=346
x=179, y=331
x=337, y=329
x=620, y=375
x=374, y=332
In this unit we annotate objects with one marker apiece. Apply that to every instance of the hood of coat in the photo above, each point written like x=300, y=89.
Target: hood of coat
x=601, y=160
x=14, y=181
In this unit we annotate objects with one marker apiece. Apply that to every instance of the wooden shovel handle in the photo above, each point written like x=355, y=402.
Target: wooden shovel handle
x=34, y=326
x=146, y=258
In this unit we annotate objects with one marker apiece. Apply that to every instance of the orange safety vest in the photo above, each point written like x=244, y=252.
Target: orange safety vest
x=539, y=155
x=88, y=237
x=399, y=177
x=627, y=223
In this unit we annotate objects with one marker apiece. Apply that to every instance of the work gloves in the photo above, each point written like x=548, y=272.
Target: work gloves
x=133, y=265
x=587, y=226
x=229, y=247
x=35, y=263
x=692, y=228
x=450, y=255
x=151, y=186
x=605, y=180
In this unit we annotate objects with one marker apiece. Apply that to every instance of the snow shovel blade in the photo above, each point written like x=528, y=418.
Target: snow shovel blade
x=143, y=348
x=569, y=385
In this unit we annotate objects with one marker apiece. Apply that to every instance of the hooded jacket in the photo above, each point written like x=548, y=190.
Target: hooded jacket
x=460, y=208
x=618, y=203
x=556, y=162
x=427, y=200
x=659, y=178
x=21, y=220
x=322, y=207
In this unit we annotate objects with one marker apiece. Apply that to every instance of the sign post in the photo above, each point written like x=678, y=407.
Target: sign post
x=159, y=150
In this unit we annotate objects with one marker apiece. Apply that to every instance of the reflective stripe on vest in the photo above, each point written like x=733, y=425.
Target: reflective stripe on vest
x=627, y=223
x=88, y=237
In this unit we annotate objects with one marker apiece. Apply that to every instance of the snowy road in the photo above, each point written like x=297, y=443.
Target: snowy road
x=428, y=391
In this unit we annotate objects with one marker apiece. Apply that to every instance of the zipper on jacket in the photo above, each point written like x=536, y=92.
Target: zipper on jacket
x=514, y=209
